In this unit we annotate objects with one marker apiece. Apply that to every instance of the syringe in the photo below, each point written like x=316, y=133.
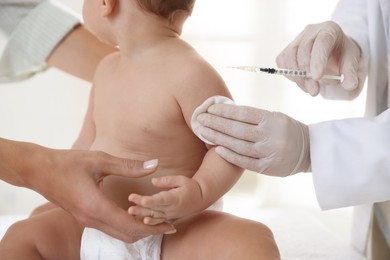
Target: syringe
x=287, y=72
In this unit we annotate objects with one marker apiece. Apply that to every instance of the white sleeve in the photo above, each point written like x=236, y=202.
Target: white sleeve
x=351, y=16
x=351, y=161
x=32, y=29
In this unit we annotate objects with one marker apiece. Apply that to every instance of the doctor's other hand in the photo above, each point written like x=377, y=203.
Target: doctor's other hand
x=322, y=49
x=267, y=142
x=71, y=179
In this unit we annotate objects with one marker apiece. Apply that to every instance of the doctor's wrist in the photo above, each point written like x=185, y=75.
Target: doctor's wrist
x=304, y=162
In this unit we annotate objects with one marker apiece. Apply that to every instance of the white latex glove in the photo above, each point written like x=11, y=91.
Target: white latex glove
x=266, y=142
x=322, y=49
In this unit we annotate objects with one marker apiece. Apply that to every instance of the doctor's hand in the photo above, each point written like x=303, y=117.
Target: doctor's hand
x=71, y=180
x=270, y=143
x=322, y=49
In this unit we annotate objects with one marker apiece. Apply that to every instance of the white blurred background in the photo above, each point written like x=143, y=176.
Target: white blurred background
x=49, y=108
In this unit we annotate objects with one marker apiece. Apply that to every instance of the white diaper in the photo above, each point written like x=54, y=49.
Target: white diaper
x=195, y=125
x=96, y=245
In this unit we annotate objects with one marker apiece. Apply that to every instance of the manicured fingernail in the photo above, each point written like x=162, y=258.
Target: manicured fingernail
x=150, y=164
x=170, y=232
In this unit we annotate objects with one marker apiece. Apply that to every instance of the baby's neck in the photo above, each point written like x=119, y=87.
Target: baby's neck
x=141, y=30
x=144, y=35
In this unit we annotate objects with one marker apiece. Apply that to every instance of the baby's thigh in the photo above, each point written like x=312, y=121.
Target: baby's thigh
x=54, y=234
x=218, y=235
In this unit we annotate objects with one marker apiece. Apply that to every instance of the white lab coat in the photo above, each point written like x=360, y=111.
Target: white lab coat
x=351, y=157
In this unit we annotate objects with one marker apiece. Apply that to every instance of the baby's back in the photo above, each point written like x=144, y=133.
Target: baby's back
x=137, y=116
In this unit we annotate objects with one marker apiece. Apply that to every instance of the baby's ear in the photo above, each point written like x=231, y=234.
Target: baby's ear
x=107, y=7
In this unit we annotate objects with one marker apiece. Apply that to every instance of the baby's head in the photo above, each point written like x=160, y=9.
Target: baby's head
x=167, y=8
x=99, y=15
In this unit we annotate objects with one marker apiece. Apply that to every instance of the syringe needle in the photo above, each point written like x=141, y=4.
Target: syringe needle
x=287, y=72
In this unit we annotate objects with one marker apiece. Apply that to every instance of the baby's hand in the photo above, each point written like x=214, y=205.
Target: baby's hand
x=181, y=197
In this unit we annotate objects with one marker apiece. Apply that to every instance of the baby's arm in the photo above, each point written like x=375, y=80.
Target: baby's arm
x=183, y=196
x=215, y=176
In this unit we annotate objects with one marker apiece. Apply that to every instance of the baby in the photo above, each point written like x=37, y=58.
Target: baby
x=141, y=107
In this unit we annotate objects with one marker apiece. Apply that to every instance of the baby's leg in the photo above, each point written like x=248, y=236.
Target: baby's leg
x=217, y=235
x=54, y=234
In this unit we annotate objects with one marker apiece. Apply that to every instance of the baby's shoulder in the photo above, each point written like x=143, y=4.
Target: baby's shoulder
x=197, y=77
x=196, y=69
x=108, y=63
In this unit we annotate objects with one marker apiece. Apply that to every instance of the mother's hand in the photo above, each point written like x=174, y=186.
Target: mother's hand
x=71, y=180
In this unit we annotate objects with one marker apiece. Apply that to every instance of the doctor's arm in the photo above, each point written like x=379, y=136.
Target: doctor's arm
x=350, y=161
x=349, y=158
x=273, y=143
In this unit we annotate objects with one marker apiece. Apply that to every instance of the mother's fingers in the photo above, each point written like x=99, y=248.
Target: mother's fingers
x=119, y=223
x=105, y=163
x=154, y=221
x=146, y=212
